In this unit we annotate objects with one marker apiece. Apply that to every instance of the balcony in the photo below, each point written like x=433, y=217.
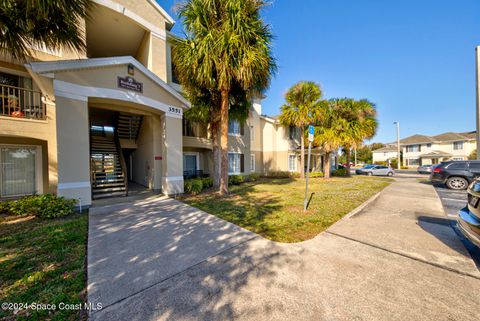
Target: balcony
x=197, y=142
x=19, y=102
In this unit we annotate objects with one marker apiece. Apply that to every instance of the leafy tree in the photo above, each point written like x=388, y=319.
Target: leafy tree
x=359, y=119
x=473, y=155
x=226, y=43
x=329, y=128
x=301, y=109
x=54, y=24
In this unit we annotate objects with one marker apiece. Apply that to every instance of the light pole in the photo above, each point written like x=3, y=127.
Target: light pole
x=477, y=77
x=398, y=143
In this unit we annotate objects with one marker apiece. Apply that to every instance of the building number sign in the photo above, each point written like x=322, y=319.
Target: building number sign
x=175, y=110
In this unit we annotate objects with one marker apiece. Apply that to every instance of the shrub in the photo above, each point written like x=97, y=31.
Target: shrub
x=341, y=172
x=253, y=177
x=404, y=167
x=187, y=186
x=197, y=186
x=43, y=206
x=235, y=180
x=207, y=182
x=281, y=174
x=4, y=207
x=315, y=174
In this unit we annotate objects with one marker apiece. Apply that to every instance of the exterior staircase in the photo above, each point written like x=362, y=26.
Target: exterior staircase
x=108, y=168
x=128, y=125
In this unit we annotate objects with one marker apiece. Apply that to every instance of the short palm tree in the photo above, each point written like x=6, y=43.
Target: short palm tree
x=360, y=123
x=330, y=126
x=300, y=110
x=29, y=24
x=225, y=43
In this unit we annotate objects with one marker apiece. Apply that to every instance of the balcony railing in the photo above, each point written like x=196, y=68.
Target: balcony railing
x=21, y=103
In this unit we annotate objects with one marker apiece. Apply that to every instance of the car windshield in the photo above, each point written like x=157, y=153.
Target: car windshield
x=368, y=166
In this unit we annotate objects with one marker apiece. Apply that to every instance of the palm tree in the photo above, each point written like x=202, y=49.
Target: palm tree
x=360, y=124
x=225, y=43
x=54, y=24
x=329, y=128
x=300, y=110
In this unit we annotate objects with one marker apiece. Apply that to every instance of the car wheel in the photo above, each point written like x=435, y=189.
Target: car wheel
x=369, y=174
x=457, y=183
x=390, y=174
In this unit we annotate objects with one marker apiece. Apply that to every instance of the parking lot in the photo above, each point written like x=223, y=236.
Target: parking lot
x=452, y=202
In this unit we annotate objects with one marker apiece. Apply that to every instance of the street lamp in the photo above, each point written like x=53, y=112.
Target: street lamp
x=477, y=63
x=398, y=143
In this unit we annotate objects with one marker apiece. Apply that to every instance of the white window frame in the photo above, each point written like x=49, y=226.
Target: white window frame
x=38, y=164
x=295, y=162
x=252, y=133
x=252, y=162
x=197, y=154
x=239, y=163
x=455, y=144
x=236, y=129
x=413, y=159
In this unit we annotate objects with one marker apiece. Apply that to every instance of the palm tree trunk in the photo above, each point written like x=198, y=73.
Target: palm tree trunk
x=326, y=165
x=348, y=154
x=302, y=156
x=216, y=155
x=223, y=189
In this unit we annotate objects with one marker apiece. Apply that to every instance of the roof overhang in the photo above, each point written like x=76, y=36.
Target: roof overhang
x=49, y=68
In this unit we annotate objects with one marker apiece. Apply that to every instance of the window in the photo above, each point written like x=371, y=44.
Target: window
x=292, y=163
x=234, y=128
x=475, y=166
x=429, y=145
x=457, y=165
x=235, y=163
x=252, y=133
x=457, y=145
x=188, y=128
x=413, y=162
x=17, y=171
x=292, y=133
x=413, y=148
x=252, y=162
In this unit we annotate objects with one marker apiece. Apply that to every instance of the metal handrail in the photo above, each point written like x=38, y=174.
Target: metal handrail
x=22, y=103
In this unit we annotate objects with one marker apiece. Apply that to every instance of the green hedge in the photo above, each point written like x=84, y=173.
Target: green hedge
x=341, y=172
x=281, y=174
x=43, y=206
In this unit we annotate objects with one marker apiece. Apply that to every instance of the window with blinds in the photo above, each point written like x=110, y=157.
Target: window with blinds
x=17, y=174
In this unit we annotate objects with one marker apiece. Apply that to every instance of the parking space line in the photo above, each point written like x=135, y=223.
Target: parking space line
x=453, y=199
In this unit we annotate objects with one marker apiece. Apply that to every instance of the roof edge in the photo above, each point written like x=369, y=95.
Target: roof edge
x=49, y=67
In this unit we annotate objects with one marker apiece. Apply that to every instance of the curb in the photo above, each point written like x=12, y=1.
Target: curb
x=360, y=207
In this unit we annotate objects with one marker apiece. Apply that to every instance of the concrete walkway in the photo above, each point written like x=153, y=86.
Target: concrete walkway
x=159, y=259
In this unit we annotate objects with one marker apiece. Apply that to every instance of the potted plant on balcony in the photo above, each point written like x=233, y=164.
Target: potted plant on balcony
x=13, y=104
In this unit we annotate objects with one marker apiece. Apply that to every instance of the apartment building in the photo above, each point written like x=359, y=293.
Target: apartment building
x=425, y=150
x=88, y=125
x=84, y=124
x=385, y=154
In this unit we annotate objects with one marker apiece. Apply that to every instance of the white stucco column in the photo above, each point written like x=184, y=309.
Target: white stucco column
x=73, y=149
x=172, y=155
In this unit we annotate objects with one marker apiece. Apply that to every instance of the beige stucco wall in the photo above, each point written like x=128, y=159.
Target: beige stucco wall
x=159, y=57
x=144, y=53
x=145, y=10
x=172, y=153
x=73, y=149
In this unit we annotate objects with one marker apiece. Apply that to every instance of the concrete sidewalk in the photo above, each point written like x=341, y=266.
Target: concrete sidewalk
x=394, y=260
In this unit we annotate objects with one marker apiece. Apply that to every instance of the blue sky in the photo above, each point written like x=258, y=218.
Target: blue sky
x=414, y=59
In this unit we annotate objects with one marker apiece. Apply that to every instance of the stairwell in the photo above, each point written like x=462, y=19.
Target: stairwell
x=107, y=166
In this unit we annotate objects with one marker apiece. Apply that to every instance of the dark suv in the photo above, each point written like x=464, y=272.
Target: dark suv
x=456, y=174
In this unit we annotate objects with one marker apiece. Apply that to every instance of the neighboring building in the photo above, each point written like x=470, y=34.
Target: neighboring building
x=425, y=150
x=385, y=154
x=86, y=125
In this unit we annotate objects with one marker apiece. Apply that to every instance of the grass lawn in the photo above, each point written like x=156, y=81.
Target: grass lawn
x=42, y=261
x=273, y=208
